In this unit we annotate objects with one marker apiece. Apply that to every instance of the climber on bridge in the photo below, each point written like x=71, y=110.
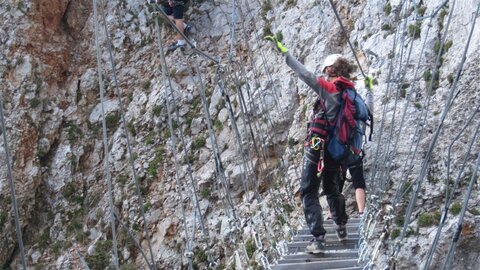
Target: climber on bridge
x=356, y=170
x=175, y=9
x=325, y=109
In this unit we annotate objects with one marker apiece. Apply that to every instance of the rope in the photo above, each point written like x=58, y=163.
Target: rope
x=160, y=11
x=82, y=259
x=449, y=198
x=224, y=182
x=127, y=138
x=426, y=163
x=388, y=158
x=264, y=62
x=381, y=129
x=451, y=195
x=166, y=79
x=105, y=140
x=221, y=83
x=346, y=36
x=137, y=244
x=404, y=114
x=456, y=235
x=11, y=185
x=232, y=32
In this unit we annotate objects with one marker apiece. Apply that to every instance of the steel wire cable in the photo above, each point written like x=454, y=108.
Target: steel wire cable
x=387, y=157
x=80, y=257
x=449, y=197
x=344, y=31
x=247, y=123
x=263, y=107
x=160, y=11
x=224, y=182
x=8, y=163
x=105, y=139
x=189, y=167
x=472, y=117
x=408, y=164
x=135, y=242
x=418, y=134
x=375, y=185
x=166, y=79
x=459, y=228
x=268, y=119
x=247, y=115
x=410, y=96
x=252, y=102
x=413, y=91
x=127, y=137
x=220, y=80
x=265, y=63
x=445, y=111
x=232, y=31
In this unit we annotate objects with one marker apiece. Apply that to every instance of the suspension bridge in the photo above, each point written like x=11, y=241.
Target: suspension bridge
x=367, y=235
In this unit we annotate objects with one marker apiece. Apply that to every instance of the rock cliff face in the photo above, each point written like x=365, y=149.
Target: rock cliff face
x=50, y=93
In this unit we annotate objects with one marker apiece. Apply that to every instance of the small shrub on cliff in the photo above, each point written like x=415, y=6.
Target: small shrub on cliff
x=250, y=247
x=101, y=258
x=414, y=30
x=387, y=8
x=428, y=219
x=455, y=208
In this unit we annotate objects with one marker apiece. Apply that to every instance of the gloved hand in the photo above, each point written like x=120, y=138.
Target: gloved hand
x=368, y=80
x=278, y=44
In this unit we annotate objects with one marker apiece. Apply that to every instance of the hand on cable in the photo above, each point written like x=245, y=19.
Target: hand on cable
x=368, y=80
x=278, y=44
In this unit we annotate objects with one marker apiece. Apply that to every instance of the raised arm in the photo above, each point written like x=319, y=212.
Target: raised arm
x=303, y=73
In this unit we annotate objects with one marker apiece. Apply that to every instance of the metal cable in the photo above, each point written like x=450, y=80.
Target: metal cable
x=344, y=31
x=456, y=235
x=426, y=163
x=105, y=139
x=265, y=63
x=224, y=181
x=232, y=31
x=381, y=129
x=134, y=240
x=160, y=11
x=166, y=79
x=127, y=137
x=413, y=92
x=11, y=185
x=450, y=197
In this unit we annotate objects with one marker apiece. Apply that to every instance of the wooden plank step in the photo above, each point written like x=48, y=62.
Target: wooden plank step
x=328, y=254
x=307, y=237
x=317, y=265
x=331, y=229
x=300, y=268
x=306, y=257
x=350, y=244
x=350, y=221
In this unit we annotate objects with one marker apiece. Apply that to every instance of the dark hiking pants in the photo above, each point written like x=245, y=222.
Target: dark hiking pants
x=309, y=191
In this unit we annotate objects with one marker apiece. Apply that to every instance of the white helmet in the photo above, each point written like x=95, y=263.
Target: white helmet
x=330, y=60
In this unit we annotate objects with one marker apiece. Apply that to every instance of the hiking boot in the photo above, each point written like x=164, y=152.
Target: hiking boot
x=317, y=245
x=188, y=29
x=342, y=233
x=175, y=46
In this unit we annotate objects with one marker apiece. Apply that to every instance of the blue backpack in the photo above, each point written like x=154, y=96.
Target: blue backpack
x=346, y=136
